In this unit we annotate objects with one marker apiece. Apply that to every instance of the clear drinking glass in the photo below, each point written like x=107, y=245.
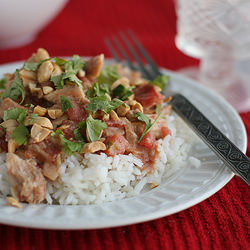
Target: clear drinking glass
x=218, y=33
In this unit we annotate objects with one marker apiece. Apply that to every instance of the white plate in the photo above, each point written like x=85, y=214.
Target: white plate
x=184, y=189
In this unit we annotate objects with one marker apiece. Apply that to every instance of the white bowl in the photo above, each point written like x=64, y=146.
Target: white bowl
x=21, y=20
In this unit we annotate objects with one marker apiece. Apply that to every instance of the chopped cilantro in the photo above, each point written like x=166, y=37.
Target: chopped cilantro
x=2, y=83
x=32, y=118
x=15, y=90
x=94, y=128
x=15, y=114
x=34, y=65
x=122, y=93
x=108, y=75
x=97, y=90
x=20, y=134
x=102, y=103
x=74, y=65
x=31, y=66
x=60, y=61
x=59, y=79
x=78, y=135
x=148, y=124
x=161, y=81
x=66, y=103
x=69, y=147
x=157, y=110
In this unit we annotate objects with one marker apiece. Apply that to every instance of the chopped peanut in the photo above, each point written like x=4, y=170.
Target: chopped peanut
x=55, y=113
x=57, y=70
x=44, y=71
x=93, y=147
x=42, y=54
x=94, y=66
x=44, y=122
x=122, y=110
x=38, y=133
x=114, y=116
x=47, y=90
x=40, y=110
x=11, y=201
x=12, y=146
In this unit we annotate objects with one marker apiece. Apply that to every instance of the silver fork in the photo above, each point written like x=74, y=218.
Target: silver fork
x=233, y=158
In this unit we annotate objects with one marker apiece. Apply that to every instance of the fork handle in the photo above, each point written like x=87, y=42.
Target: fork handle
x=238, y=162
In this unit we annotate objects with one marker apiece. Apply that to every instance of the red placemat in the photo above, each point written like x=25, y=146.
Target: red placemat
x=220, y=222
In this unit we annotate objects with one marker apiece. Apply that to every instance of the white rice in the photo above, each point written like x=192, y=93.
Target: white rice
x=94, y=178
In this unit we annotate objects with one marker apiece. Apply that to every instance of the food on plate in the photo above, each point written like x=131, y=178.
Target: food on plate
x=74, y=131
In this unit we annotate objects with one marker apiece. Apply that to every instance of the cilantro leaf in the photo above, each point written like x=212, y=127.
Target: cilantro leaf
x=75, y=64
x=94, y=128
x=60, y=61
x=32, y=118
x=20, y=134
x=34, y=65
x=157, y=110
x=59, y=79
x=97, y=90
x=102, y=103
x=113, y=104
x=122, y=93
x=15, y=90
x=2, y=83
x=15, y=114
x=108, y=75
x=161, y=81
x=31, y=66
x=66, y=103
x=69, y=147
x=97, y=103
x=148, y=124
x=78, y=135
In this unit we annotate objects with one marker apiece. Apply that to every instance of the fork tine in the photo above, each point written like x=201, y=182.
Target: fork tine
x=144, y=53
x=135, y=55
x=122, y=51
x=112, y=50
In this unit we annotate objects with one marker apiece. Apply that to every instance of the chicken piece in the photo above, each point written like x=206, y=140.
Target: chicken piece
x=47, y=154
x=94, y=66
x=7, y=104
x=27, y=180
x=71, y=91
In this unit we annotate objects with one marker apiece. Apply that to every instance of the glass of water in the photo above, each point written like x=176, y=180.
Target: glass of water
x=218, y=33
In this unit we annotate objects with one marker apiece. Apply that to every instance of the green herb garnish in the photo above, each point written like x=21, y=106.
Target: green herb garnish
x=2, y=83
x=94, y=128
x=102, y=103
x=74, y=65
x=59, y=79
x=69, y=147
x=66, y=103
x=15, y=90
x=34, y=65
x=122, y=93
x=97, y=90
x=15, y=114
x=161, y=81
x=20, y=134
x=148, y=124
x=108, y=75
x=32, y=118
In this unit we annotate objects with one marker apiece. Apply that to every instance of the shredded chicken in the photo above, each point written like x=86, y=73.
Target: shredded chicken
x=27, y=181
